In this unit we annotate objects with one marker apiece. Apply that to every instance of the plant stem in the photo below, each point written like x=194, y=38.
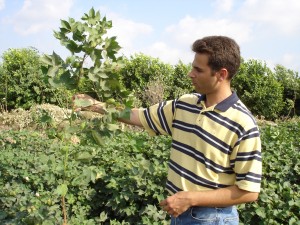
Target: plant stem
x=64, y=210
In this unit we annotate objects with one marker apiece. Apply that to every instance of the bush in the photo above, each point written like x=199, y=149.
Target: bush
x=140, y=71
x=122, y=181
x=279, y=199
x=290, y=81
x=181, y=82
x=118, y=183
x=259, y=90
x=22, y=79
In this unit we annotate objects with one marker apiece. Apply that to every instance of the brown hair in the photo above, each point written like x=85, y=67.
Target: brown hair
x=223, y=52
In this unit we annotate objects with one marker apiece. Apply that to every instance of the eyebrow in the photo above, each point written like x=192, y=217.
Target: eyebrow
x=197, y=68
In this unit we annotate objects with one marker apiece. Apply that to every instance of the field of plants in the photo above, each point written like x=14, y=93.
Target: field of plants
x=48, y=177
x=58, y=166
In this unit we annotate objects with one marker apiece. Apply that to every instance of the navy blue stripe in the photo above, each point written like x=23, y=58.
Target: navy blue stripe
x=248, y=156
x=224, y=121
x=162, y=118
x=174, y=106
x=150, y=121
x=200, y=157
x=252, y=133
x=182, y=172
x=188, y=107
x=243, y=109
x=204, y=135
x=172, y=187
x=253, y=177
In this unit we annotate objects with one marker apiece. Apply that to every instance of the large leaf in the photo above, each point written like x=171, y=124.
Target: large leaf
x=65, y=24
x=82, y=102
x=62, y=189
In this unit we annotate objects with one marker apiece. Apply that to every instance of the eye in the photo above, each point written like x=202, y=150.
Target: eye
x=198, y=70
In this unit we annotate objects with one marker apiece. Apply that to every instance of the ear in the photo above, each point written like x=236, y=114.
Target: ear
x=223, y=74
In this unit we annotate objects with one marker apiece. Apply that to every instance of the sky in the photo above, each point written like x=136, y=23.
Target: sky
x=266, y=30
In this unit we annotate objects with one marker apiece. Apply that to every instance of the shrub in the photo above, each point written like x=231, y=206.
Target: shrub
x=259, y=90
x=22, y=79
x=122, y=181
x=181, y=82
x=140, y=71
x=290, y=81
x=279, y=199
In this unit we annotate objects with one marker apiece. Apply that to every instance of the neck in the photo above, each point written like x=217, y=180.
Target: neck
x=217, y=97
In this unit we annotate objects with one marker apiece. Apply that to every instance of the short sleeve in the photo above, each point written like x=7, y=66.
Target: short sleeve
x=247, y=161
x=157, y=119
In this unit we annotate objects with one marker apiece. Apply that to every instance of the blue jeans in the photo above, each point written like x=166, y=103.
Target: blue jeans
x=207, y=216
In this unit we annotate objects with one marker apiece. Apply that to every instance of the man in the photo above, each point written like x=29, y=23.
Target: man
x=215, y=159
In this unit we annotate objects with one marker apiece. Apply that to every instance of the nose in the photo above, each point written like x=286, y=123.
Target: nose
x=190, y=74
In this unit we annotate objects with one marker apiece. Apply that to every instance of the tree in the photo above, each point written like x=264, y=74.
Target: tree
x=144, y=73
x=181, y=82
x=259, y=90
x=290, y=81
x=93, y=64
x=22, y=79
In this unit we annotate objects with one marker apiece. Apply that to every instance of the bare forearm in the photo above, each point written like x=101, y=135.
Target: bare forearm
x=181, y=201
x=134, y=118
x=87, y=103
x=221, y=197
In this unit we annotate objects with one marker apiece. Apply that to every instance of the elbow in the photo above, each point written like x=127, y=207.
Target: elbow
x=252, y=196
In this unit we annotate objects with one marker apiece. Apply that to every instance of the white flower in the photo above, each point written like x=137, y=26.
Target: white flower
x=27, y=178
x=75, y=139
x=37, y=194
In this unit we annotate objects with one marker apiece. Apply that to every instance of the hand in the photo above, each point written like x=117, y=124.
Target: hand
x=87, y=103
x=177, y=203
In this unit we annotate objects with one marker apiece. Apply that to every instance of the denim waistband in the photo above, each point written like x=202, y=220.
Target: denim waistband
x=207, y=216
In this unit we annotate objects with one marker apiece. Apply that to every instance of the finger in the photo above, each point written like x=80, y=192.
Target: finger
x=78, y=109
x=162, y=203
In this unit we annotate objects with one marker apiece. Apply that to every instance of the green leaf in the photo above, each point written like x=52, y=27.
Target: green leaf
x=103, y=217
x=82, y=102
x=62, y=189
x=53, y=71
x=84, y=156
x=54, y=82
x=103, y=75
x=113, y=127
x=46, y=59
x=125, y=114
x=261, y=212
x=72, y=46
x=104, y=86
x=93, y=77
x=97, y=137
x=65, y=24
x=92, y=12
x=67, y=80
x=56, y=59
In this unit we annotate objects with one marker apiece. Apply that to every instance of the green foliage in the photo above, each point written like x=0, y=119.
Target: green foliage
x=279, y=200
x=93, y=65
x=181, y=82
x=117, y=183
x=290, y=81
x=259, y=90
x=140, y=70
x=121, y=182
x=22, y=83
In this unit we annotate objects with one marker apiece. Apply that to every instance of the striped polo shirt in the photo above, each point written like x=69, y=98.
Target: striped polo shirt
x=212, y=147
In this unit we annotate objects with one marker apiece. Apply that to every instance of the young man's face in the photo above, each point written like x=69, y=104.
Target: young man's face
x=202, y=76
